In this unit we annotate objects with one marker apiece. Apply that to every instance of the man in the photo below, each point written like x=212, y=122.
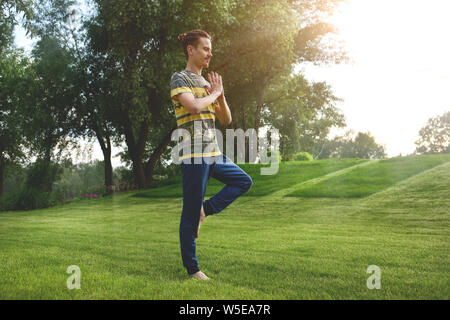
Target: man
x=197, y=103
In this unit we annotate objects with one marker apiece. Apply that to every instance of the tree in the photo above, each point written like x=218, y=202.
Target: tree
x=12, y=65
x=12, y=69
x=9, y=12
x=139, y=41
x=435, y=135
x=47, y=102
x=362, y=146
x=302, y=112
x=61, y=19
x=261, y=45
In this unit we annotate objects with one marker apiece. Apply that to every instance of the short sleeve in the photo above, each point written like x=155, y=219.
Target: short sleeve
x=178, y=85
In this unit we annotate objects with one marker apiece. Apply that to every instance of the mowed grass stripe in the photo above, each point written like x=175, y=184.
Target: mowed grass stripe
x=362, y=181
x=282, y=192
x=289, y=173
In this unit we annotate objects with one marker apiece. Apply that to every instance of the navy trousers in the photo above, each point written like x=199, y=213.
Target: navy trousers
x=195, y=178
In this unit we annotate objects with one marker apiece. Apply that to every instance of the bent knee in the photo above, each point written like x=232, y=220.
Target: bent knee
x=247, y=184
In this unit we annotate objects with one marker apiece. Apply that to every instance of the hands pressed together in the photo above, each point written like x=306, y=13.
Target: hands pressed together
x=216, y=84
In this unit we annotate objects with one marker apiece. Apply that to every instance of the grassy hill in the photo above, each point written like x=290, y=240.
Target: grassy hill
x=309, y=232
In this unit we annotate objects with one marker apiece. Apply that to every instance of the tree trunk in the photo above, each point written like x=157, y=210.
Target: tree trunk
x=155, y=156
x=136, y=150
x=106, y=150
x=108, y=172
x=139, y=173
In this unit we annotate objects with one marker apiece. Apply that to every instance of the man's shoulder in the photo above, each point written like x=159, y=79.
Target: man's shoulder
x=175, y=75
x=179, y=74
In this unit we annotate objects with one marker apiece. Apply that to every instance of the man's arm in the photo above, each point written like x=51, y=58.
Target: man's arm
x=195, y=105
x=223, y=111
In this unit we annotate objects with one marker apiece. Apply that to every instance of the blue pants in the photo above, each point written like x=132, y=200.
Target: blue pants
x=195, y=179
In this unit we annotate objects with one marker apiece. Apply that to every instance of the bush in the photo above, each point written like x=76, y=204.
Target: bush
x=27, y=198
x=303, y=156
x=41, y=175
x=173, y=170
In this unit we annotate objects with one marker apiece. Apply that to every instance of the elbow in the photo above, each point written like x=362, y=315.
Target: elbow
x=193, y=109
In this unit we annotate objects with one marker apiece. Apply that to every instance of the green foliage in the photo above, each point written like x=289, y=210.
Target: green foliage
x=12, y=69
x=15, y=176
x=10, y=13
x=269, y=155
x=303, y=156
x=27, y=198
x=435, y=135
x=362, y=146
x=295, y=106
x=42, y=174
x=83, y=178
x=168, y=171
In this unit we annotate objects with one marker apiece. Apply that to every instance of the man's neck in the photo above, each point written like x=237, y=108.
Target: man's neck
x=194, y=68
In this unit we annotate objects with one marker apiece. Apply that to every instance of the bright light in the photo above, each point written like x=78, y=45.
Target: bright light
x=401, y=75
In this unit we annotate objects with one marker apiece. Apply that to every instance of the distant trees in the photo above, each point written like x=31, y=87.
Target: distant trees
x=302, y=112
x=435, y=135
x=362, y=146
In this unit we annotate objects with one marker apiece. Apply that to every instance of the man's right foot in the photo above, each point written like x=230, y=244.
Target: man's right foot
x=199, y=275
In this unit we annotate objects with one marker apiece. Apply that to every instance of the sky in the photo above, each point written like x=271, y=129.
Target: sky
x=399, y=76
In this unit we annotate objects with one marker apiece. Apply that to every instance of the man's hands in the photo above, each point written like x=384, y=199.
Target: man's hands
x=222, y=110
x=216, y=84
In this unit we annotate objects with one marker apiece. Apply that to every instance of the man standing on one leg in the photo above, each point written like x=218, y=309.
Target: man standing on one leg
x=197, y=103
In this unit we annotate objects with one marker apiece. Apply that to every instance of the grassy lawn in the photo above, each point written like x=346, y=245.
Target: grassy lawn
x=289, y=173
x=309, y=232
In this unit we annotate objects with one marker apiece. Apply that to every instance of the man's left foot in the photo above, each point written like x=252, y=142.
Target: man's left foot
x=199, y=275
x=202, y=217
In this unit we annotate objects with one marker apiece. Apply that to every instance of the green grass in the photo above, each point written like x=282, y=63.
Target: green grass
x=267, y=246
x=289, y=173
x=362, y=181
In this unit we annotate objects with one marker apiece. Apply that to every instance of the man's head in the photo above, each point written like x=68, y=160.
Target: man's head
x=197, y=47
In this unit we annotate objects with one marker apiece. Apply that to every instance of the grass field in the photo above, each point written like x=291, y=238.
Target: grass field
x=309, y=232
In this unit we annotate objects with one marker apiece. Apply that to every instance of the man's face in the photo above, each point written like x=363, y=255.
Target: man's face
x=201, y=56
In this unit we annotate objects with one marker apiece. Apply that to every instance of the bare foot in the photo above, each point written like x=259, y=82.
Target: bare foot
x=202, y=217
x=199, y=275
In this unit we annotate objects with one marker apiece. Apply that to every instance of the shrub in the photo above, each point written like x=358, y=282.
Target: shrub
x=41, y=175
x=27, y=198
x=303, y=156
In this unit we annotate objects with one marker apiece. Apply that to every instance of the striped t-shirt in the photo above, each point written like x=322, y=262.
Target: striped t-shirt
x=188, y=81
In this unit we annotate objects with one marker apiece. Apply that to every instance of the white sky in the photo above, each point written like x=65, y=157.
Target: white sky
x=401, y=71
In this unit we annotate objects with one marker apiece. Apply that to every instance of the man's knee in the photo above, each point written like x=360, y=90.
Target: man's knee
x=247, y=184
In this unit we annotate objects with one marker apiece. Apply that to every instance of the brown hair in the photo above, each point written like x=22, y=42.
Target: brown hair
x=191, y=38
